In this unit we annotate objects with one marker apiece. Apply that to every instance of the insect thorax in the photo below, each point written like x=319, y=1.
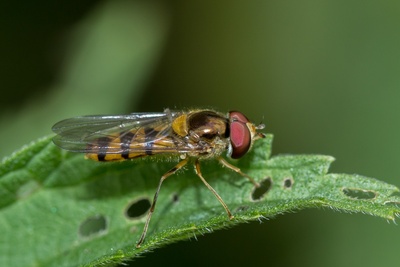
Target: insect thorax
x=206, y=130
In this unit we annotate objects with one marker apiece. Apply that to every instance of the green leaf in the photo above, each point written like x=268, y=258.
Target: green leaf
x=58, y=209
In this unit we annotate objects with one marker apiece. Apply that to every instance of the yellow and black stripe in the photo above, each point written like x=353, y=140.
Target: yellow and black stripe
x=143, y=142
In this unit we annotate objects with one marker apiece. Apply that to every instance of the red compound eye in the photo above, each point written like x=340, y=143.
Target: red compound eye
x=238, y=116
x=239, y=134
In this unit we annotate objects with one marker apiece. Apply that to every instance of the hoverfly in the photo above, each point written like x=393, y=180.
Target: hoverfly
x=189, y=135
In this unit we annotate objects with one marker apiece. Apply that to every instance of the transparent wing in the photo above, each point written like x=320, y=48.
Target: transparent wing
x=136, y=132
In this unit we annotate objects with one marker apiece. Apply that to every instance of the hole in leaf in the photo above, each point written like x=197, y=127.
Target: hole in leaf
x=93, y=225
x=288, y=183
x=241, y=209
x=175, y=198
x=259, y=192
x=359, y=193
x=137, y=208
x=395, y=204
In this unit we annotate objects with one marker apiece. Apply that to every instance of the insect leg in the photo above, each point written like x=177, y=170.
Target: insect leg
x=198, y=172
x=153, y=205
x=236, y=169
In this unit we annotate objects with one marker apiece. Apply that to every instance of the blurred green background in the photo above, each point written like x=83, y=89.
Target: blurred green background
x=323, y=75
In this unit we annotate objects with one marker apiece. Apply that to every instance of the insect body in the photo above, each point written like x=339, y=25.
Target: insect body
x=190, y=135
